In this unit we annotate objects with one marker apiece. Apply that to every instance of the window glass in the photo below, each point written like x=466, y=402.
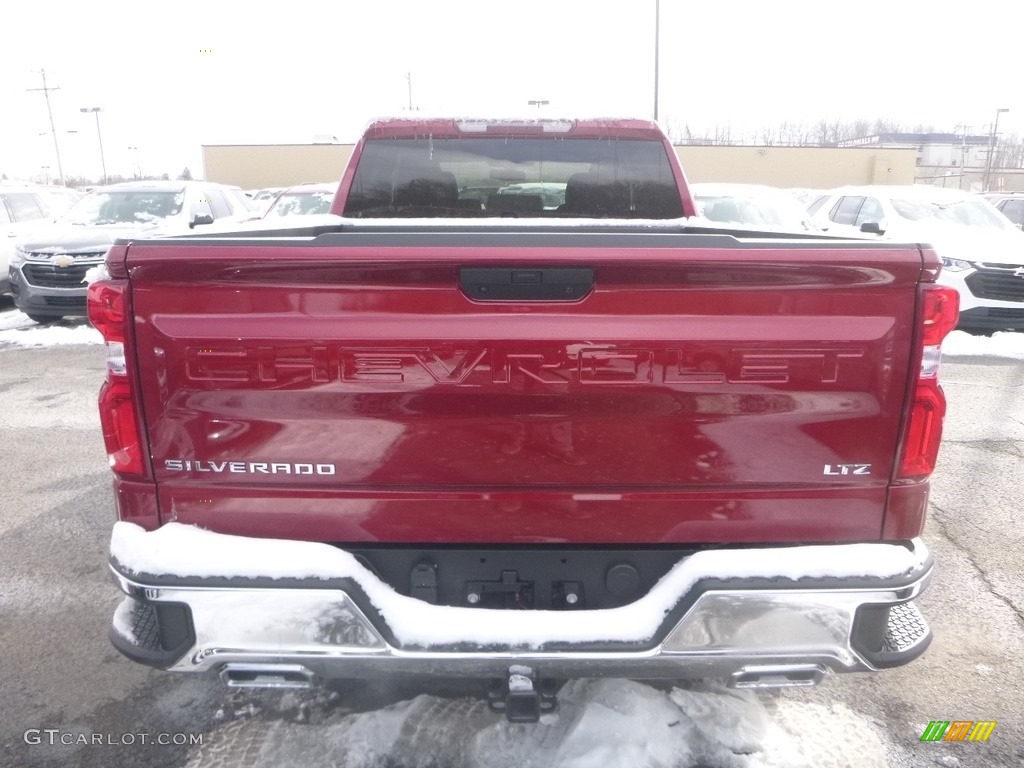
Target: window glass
x=301, y=203
x=871, y=210
x=218, y=203
x=24, y=206
x=5, y=217
x=142, y=206
x=240, y=202
x=486, y=176
x=200, y=207
x=818, y=202
x=967, y=212
x=845, y=211
x=1014, y=211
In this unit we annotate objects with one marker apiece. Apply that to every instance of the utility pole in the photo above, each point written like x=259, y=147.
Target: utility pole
x=657, y=40
x=991, y=148
x=963, y=151
x=53, y=131
x=408, y=76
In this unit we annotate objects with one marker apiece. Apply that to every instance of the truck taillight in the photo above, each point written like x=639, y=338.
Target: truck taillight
x=120, y=429
x=108, y=307
x=938, y=313
x=940, y=310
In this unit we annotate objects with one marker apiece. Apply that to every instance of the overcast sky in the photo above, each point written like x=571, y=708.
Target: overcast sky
x=174, y=76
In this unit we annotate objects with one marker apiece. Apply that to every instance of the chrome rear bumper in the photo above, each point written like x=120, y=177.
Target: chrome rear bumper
x=772, y=622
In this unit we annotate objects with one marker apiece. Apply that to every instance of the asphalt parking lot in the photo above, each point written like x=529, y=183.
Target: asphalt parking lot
x=59, y=673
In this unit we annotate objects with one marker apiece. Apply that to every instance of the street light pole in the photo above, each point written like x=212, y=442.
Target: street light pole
x=991, y=148
x=103, y=161
x=538, y=103
x=138, y=165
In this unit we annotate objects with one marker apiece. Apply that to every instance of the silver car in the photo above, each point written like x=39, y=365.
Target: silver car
x=26, y=209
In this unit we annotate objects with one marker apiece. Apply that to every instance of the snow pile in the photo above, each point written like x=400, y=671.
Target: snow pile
x=1004, y=344
x=187, y=551
x=598, y=723
x=18, y=330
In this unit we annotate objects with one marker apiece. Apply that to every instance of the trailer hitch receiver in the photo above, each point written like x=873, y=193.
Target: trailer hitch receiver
x=522, y=697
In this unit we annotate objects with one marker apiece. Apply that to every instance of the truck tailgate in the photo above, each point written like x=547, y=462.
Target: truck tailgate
x=378, y=385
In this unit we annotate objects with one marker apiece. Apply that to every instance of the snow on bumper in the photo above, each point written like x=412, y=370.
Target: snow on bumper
x=199, y=600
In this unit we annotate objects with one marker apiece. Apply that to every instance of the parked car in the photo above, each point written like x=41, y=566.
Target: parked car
x=303, y=200
x=262, y=199
x=47, y=269
x=1010, y=204
x=25, y=209
x=550, y=193
x=982, y=252
x=59, y=199
x=752, y=206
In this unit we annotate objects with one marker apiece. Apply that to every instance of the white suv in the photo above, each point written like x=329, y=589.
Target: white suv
x=1010, y=204
x=982, y=252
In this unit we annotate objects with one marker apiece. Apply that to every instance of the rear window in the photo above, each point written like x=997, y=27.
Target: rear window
x=477, y=177
x=301, y=204
x=967, y=212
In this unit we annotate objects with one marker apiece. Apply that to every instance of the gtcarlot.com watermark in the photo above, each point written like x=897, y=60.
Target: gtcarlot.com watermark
x=55, y=736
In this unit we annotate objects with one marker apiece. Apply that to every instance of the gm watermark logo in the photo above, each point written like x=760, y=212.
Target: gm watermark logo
x=958, y=730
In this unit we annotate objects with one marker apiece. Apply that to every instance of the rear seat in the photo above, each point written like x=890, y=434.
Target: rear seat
x=425, y=185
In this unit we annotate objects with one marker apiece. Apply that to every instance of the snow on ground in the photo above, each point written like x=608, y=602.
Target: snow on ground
x=598, y=723
x=1005, y=344
x=16, y=329
x=610, y=722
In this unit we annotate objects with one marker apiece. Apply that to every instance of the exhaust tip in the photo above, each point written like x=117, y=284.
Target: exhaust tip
x=266, y=676
x=778, y=676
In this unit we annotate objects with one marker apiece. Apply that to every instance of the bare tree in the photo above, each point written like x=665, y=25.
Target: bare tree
x=1009, y=152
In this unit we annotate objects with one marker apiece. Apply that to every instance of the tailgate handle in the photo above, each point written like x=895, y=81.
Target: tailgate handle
x=526, y=283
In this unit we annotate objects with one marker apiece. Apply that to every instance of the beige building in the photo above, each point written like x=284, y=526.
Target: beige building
x=801, y=167
x=256, y=166
x=282, y=165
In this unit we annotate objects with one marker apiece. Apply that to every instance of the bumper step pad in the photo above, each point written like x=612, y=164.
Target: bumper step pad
x=906, y=637
x=156, y=634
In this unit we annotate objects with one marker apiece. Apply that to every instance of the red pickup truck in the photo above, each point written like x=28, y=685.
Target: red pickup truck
x=514, y=411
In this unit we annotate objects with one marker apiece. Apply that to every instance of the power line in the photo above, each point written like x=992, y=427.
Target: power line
x=53, y=131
